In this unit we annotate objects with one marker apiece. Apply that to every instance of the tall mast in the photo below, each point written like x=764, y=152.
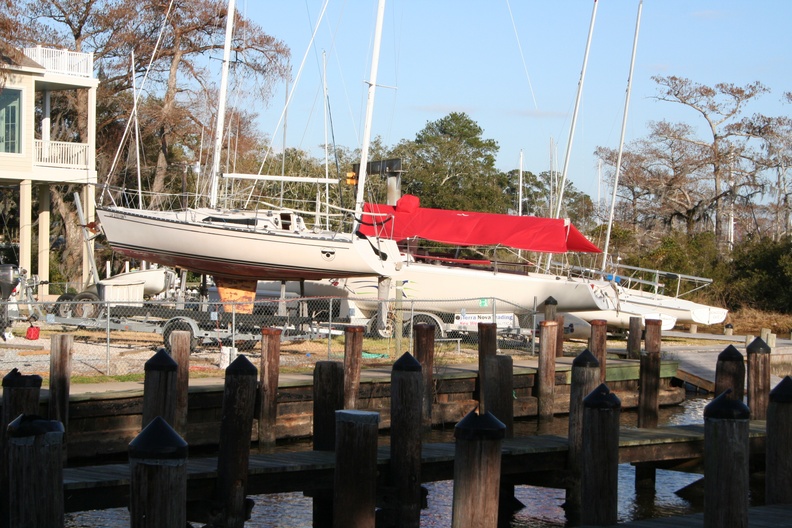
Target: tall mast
x=621, y=140
x=369, y=113
x=560, y=198
x=221, y=106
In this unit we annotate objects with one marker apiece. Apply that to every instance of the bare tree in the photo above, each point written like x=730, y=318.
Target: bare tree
x=729, y=156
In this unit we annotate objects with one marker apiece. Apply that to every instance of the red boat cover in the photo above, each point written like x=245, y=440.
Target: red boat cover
x=408, y=220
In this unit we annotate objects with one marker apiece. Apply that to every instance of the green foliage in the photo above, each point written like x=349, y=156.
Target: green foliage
x=451, y=166
x=761, y=275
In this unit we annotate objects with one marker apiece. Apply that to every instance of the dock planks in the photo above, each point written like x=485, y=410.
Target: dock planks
x=107, y=486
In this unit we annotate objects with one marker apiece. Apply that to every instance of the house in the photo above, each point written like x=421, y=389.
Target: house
x=29, y=159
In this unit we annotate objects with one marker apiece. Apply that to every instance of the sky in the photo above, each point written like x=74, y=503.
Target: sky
x=514, y=67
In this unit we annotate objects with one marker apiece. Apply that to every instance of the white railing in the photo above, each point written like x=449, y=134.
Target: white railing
x=62, y=61
x=61, y=154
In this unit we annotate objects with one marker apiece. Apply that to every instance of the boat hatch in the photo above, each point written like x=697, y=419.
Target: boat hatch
x=292, y=222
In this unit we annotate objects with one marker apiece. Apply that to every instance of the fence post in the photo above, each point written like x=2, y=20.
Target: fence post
x=585, y=377
x=159, y=388
x=423, y=335
x=355, y=479
x=35, y=469
x=726, y=457
x=158, y=477
x=353, y=352
x=600, y=456
x=634, y=338
x=239, y=400
x=477, y=468
x=778, y=464
x=758, y=378
x=268, y=386
x=180, y=352
x=599, y=344
x=405, y=446
x=20, y=396
x=328, y=397
x=545, y=378
x=730, y=373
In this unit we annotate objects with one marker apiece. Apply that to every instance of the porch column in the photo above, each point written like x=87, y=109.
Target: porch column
x=89, y=212
x=25, y=224
x=91, y=134
x=45, y=206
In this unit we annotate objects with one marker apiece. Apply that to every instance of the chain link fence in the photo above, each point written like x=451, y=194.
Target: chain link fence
x=117, y=338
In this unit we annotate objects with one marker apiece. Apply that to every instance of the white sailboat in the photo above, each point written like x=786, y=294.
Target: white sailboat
x=241, y=246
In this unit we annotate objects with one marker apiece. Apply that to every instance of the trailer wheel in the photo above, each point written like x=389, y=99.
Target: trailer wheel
x=173, y=326
x=87, y=305
x=63, y=306
x=423, y=318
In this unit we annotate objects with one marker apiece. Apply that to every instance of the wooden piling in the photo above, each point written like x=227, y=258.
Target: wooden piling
x=634, y=338
x=598, y=344
x=158, y=477
x=355, y=478
x=560, y=336
x=236, y=428
x=35, y=471
x=477, y=468
x=487, y=347
x=60, y=377
x=159, y=388
x=600, y=456
x=328, y=387
x=778, y=462
x=585, y=378
x=328, y=397
x=424, y=349
x=726, y=458
x=180, y=352
x=21, y=395
x=499, y=390
x=649, y=376
x=268, y=385
x=550, y=309
x=758, y=378
x=730, y=373
x=545, y=377
x=649, y=397
x=353, y=354
x=405, y=445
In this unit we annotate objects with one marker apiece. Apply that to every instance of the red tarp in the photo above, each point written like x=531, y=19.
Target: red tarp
x=531, y=233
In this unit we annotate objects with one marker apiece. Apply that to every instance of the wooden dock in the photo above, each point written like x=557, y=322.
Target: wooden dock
x=539, y=460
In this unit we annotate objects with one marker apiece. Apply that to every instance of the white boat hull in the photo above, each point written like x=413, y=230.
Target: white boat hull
x=247, y=247
x=621, y=318
x=685, y=312
x=451, y=289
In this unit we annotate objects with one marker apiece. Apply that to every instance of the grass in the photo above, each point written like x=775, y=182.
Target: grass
x=748, y=321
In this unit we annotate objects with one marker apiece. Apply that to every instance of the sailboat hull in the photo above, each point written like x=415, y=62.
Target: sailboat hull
x=451, y=289
x=685, y=312
x=243, y=246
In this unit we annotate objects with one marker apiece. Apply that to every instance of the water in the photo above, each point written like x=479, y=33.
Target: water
x=543, y=505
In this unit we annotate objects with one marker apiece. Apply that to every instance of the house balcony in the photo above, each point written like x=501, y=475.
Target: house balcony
x=63, y=62
x=60, y=154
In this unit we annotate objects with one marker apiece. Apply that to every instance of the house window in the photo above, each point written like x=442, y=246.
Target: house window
x=10, y=114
